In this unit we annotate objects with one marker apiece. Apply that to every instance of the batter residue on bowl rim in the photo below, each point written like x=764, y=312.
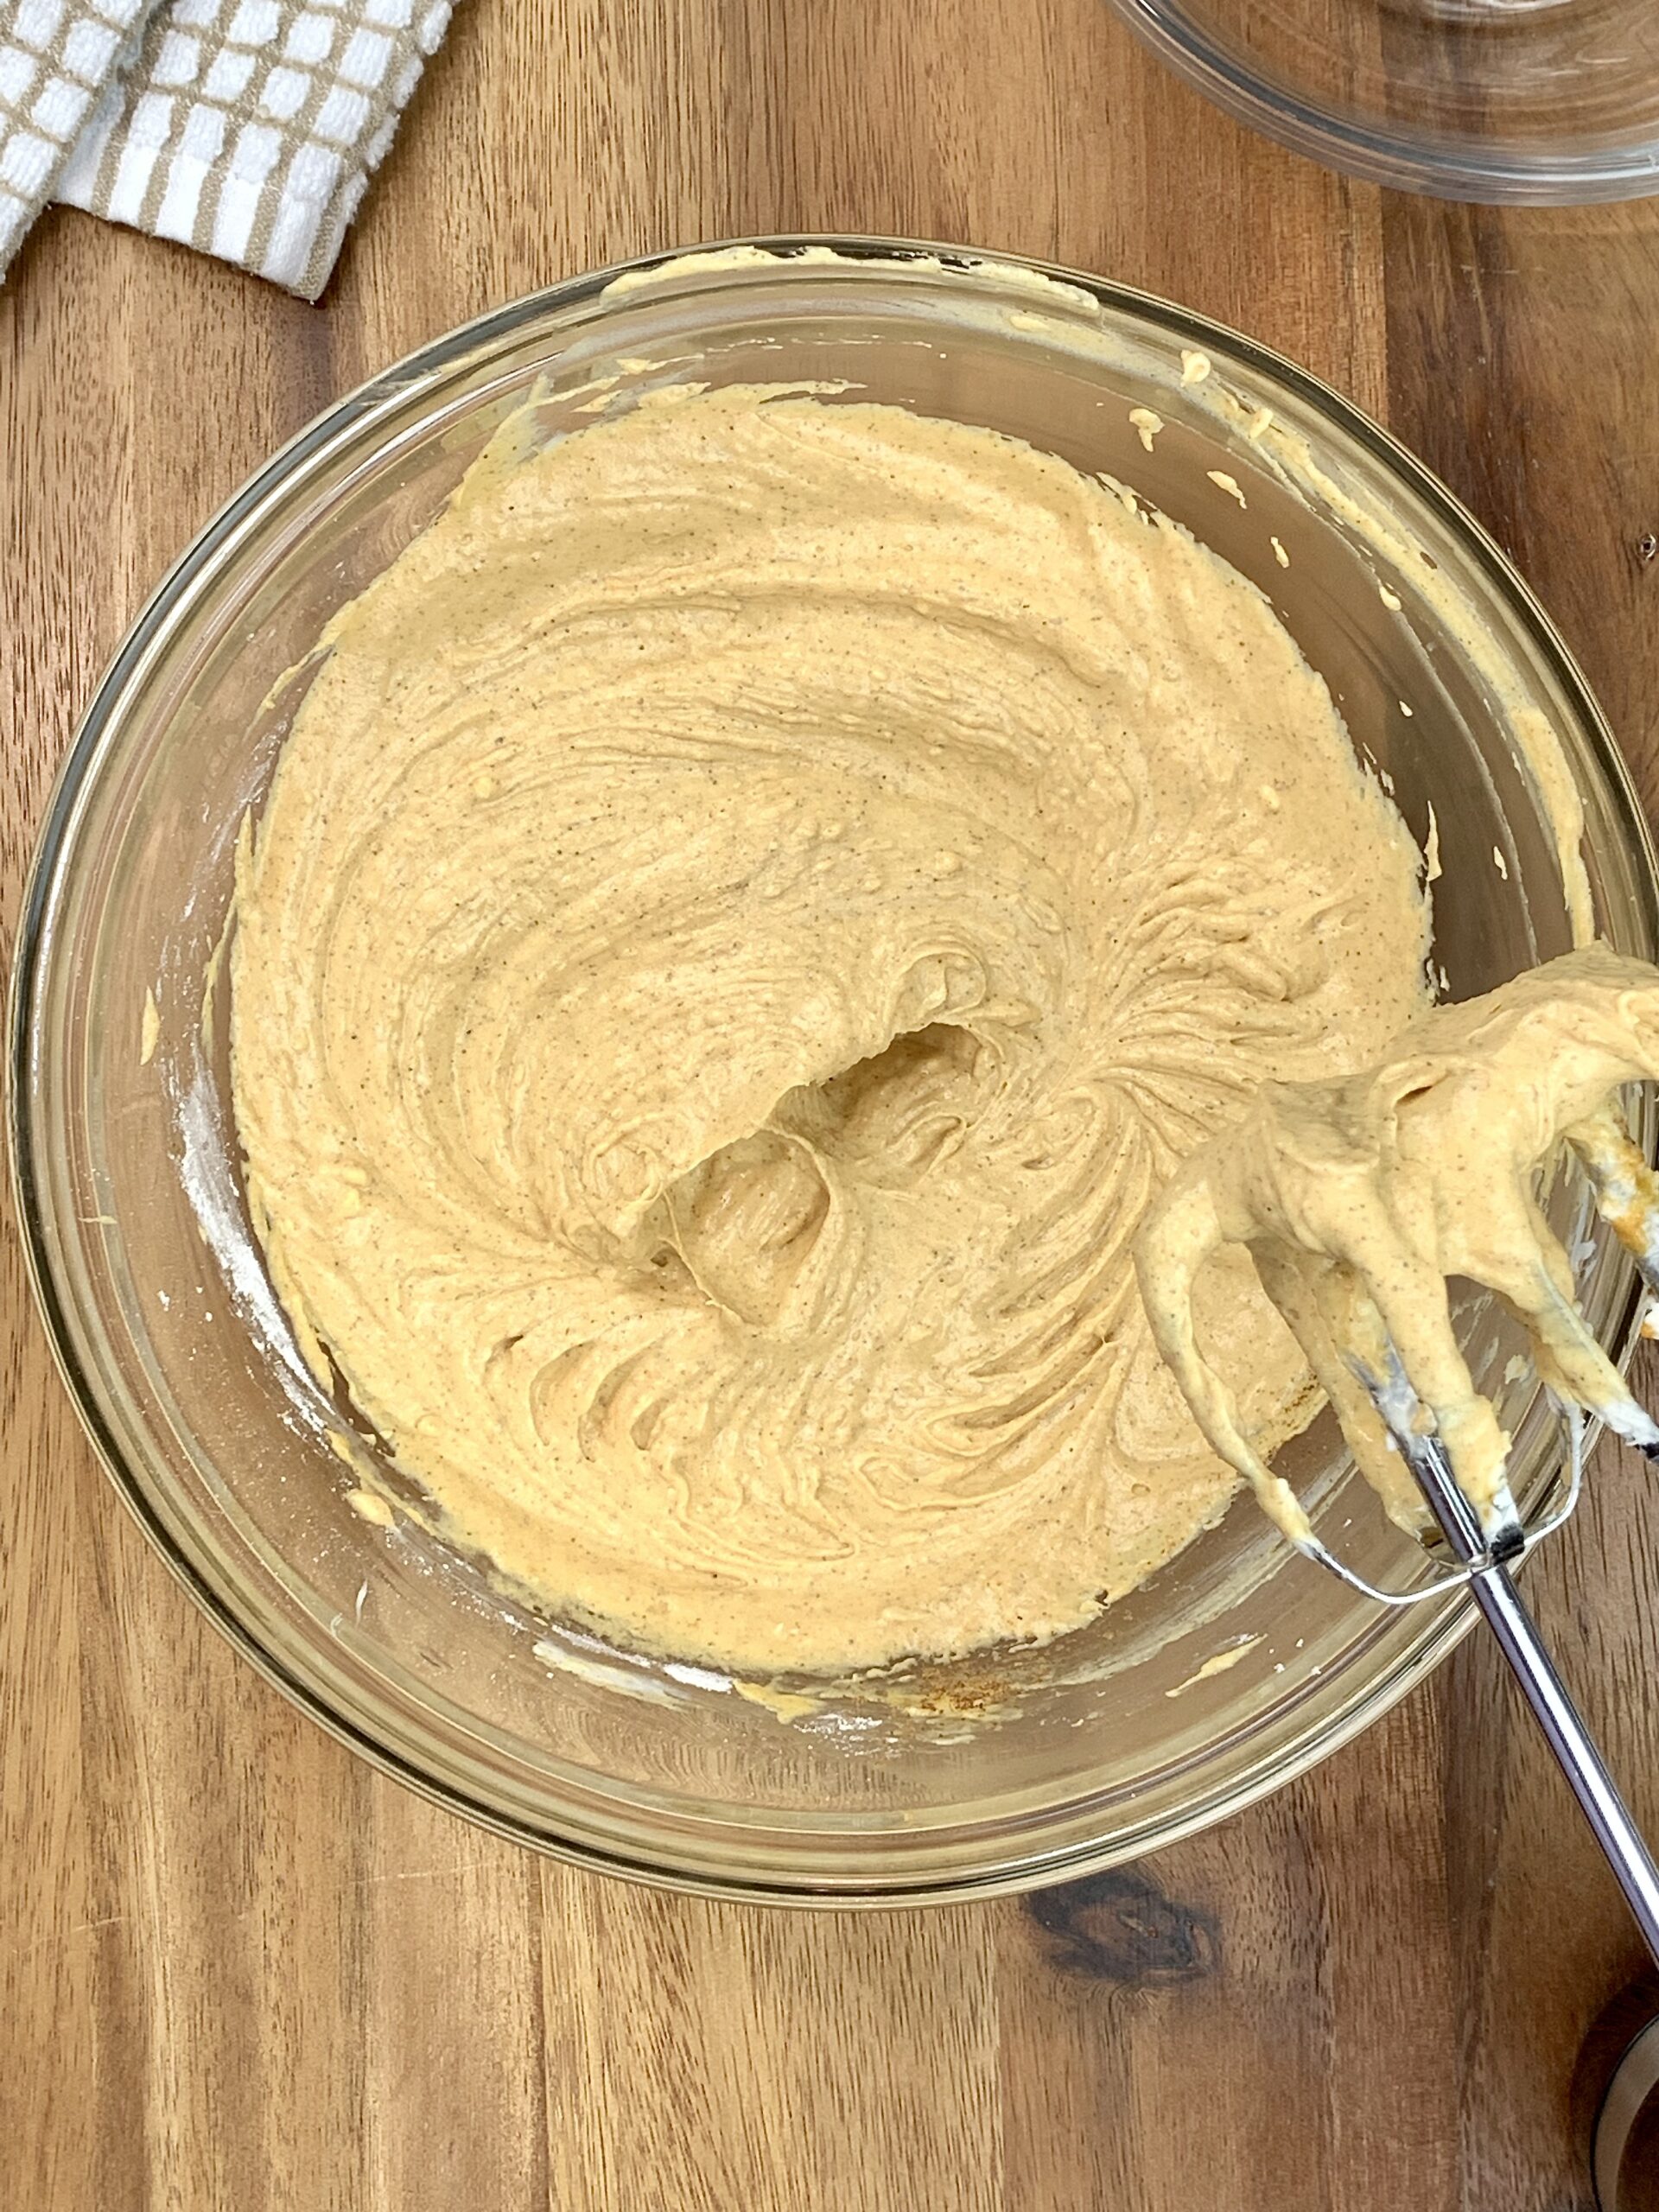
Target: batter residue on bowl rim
x=755, y=904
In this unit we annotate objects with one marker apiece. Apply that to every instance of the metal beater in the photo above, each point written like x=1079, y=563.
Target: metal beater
x=1356, y=1359
x=1627, y=1199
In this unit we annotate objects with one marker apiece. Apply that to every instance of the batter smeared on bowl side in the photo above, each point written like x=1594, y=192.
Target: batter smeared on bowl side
x=755, y=904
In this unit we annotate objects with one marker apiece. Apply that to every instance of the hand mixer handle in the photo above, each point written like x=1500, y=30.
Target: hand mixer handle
x=1574, y=1747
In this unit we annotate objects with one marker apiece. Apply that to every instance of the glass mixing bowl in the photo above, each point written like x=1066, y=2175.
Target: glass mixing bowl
x=1516, y=100
x=1025, y=1766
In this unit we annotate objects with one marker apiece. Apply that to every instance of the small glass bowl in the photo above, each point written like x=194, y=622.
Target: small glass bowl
x=1500, y=100
x=1021, y=1766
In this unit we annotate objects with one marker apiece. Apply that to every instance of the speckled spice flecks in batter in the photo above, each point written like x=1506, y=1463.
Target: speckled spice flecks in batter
x=755, y=904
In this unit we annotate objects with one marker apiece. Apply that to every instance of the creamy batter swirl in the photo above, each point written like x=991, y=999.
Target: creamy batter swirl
x=755, y=903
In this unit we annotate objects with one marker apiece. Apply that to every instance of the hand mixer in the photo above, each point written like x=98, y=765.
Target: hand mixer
x=1357, y=1200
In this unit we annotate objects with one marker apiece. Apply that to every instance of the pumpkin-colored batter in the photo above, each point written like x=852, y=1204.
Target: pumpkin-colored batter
x=756, y=901
x=1358, y=1198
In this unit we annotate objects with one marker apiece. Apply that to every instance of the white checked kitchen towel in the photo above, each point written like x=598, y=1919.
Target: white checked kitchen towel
x=246, y=128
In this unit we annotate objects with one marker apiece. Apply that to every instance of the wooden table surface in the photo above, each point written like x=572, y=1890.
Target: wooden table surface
x=236, y=1968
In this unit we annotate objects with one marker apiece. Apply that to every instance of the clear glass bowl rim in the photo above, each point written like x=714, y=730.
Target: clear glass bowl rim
x=1447, y=169
x=1444, y=1623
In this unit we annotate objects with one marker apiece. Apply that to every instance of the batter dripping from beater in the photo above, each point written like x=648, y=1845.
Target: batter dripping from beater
x=1357, y=1200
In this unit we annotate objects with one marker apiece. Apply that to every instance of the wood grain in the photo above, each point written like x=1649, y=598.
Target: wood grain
x=238, y=1968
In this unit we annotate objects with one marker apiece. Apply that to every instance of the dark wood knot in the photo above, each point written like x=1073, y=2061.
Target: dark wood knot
x=1119, y=1926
